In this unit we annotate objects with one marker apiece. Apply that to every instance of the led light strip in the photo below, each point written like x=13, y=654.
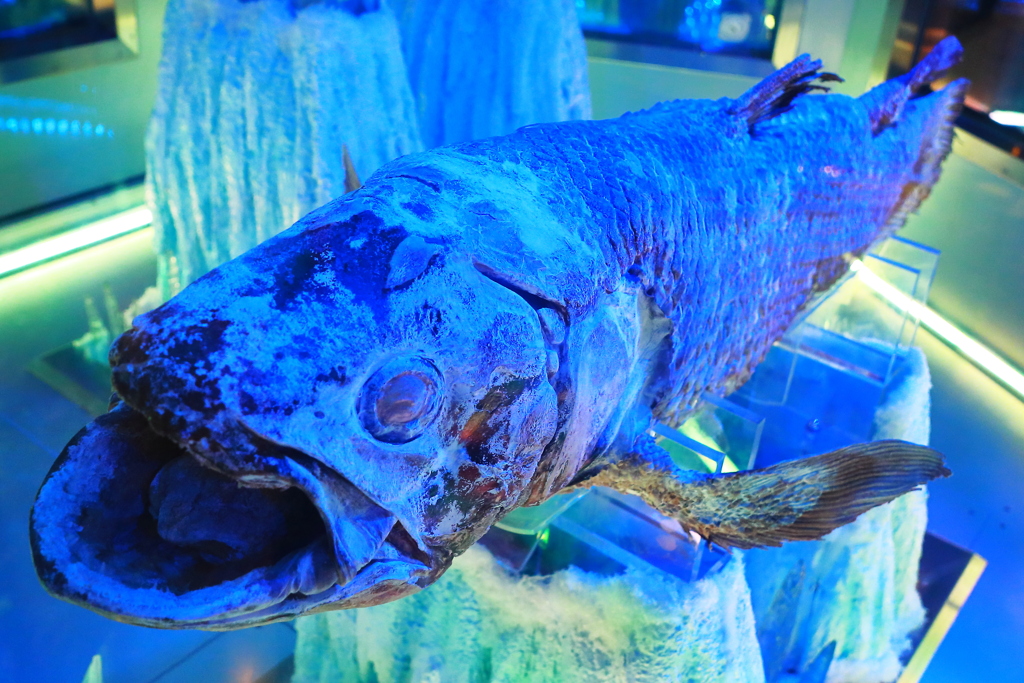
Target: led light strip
x=970, y=348
x=86, y=236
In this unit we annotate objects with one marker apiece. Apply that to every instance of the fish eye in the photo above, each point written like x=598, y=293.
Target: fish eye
x=399, y=401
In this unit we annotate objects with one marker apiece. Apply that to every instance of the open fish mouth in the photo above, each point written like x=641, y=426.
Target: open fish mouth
x=130, y=524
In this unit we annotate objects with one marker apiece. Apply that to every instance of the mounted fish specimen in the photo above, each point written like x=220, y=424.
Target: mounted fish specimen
x=479, y=69
x=257, y=103
x=327, y=420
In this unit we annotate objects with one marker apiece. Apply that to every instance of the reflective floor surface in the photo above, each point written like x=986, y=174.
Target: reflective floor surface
x=978, y=424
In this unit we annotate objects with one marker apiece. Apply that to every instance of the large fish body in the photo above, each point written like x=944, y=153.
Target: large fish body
x=327, y=420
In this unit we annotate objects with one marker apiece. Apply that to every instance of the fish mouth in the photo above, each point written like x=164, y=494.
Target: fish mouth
x=132, y=525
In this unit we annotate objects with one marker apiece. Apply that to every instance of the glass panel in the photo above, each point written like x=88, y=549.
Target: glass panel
x=721, y=436
x=31, y=27
x=743, y=27
x=819, y=386
x=605, y=532
x=533, y=520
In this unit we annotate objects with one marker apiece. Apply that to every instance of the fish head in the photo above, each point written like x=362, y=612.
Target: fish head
x=322, y=423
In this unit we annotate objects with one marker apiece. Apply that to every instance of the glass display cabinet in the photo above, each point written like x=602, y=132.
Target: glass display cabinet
x=740, y=27
x=39, y=37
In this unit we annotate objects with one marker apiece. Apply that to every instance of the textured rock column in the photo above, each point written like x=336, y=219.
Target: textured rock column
x=484, y=68
x=479, y=624
x=256, y=101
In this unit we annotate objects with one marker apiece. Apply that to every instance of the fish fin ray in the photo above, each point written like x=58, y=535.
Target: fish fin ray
x=797, y=500
x=352, y=181
x=775, y=94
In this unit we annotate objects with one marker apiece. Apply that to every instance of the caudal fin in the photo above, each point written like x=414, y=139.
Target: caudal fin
x=800, y=500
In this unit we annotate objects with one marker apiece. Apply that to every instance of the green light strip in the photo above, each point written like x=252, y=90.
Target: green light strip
x=967, y=346
x=74, y=240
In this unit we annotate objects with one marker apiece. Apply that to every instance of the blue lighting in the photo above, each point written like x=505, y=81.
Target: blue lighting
x=65, y=119
x=64, y=127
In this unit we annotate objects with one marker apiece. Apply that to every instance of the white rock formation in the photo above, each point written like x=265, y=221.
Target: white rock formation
x=479, y=69
x=256, y=102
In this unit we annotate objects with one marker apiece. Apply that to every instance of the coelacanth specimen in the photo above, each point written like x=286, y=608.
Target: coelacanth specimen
x=327, y=420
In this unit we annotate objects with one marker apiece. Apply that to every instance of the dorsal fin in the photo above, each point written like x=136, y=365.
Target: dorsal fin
x=885, y=102
x=352, y=181
x=775, y=94
x=943, y=57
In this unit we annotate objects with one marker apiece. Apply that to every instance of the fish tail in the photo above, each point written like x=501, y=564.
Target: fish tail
x=799, y=500
x=927, y=124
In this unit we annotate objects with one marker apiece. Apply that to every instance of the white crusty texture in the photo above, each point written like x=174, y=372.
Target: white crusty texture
x=479, y=69
x=254, y=106
x=478, y=623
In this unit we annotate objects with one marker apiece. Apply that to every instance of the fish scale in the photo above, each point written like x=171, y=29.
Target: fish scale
x=682, y=248
x=475, y=329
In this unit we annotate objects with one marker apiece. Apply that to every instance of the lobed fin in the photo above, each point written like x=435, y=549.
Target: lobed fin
x=886, y=102
x=775, y=94
x=799, y=500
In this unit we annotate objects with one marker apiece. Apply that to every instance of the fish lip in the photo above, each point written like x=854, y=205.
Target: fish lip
x=263, y=594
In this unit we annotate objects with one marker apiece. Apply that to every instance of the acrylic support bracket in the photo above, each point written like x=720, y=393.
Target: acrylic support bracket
x=817, y=390
x=819, y=386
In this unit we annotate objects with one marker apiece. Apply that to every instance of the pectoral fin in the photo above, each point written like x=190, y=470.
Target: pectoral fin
x=799, y=500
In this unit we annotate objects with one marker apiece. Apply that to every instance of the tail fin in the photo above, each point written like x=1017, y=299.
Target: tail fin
x=800, y=500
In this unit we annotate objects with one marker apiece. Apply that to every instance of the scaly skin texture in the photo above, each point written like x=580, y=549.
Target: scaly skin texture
x=476, y=328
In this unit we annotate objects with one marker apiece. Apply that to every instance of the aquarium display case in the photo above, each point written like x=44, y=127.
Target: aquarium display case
x=40, y=37
x=737, y=27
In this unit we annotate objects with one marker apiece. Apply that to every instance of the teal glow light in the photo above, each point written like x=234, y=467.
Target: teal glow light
x=73, y=240
x=967, y=346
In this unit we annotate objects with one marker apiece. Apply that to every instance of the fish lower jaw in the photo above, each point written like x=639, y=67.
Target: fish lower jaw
x=130, y=525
